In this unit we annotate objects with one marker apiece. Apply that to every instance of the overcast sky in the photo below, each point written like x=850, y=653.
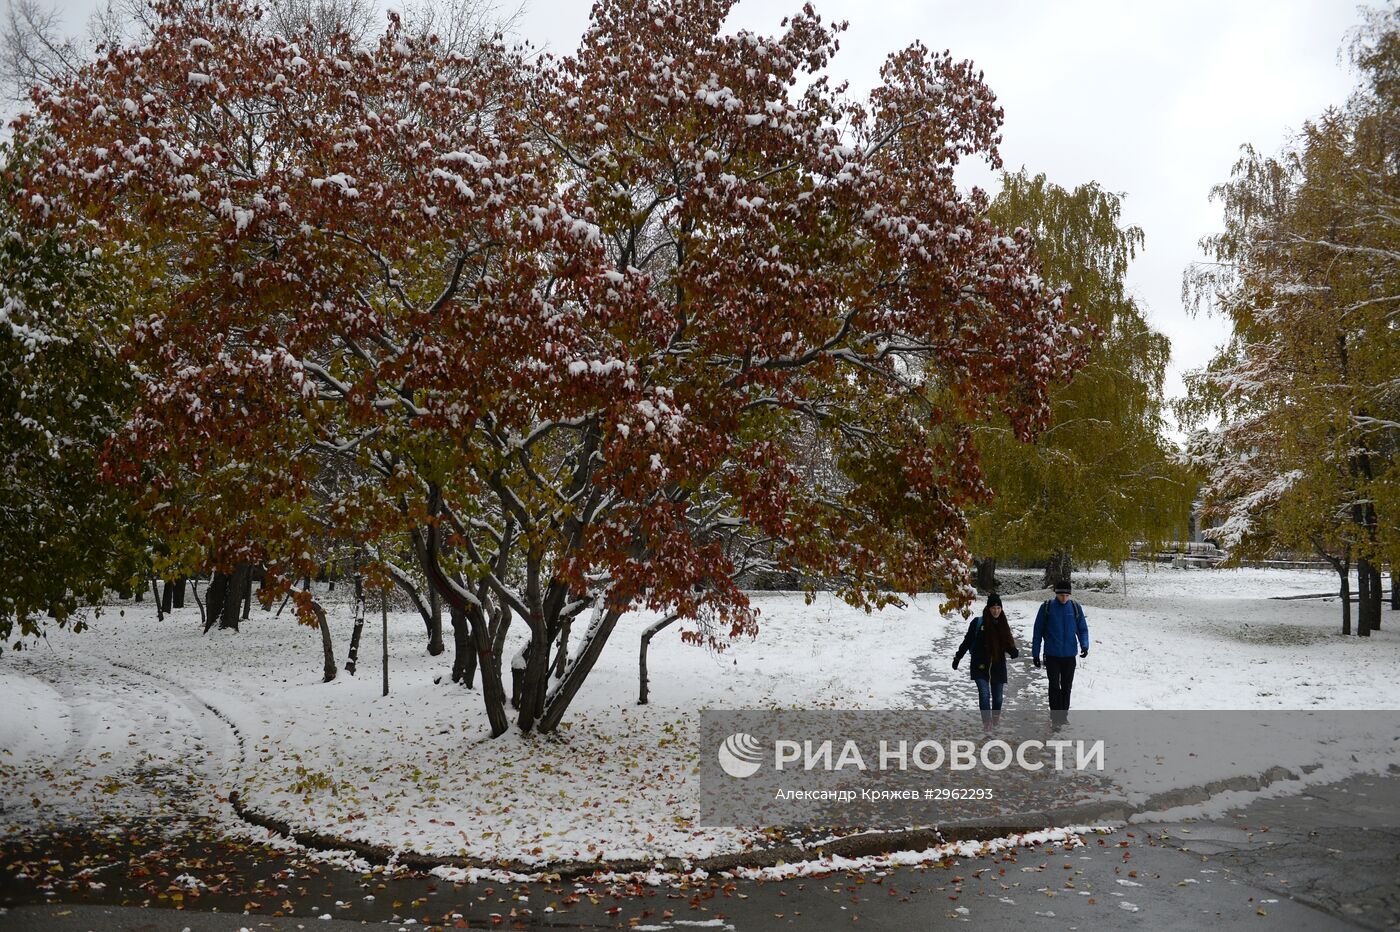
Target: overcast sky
x=1152, y=100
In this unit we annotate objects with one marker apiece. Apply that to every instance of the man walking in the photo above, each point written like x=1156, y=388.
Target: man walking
x=1060, y=624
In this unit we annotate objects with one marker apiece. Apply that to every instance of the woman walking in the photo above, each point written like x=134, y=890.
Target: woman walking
x=990, y=642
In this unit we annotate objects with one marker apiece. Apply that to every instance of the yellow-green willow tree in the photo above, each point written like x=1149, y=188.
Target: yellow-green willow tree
x=1101, y=478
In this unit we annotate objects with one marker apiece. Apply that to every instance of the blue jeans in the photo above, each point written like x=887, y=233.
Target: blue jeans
x=988, y=698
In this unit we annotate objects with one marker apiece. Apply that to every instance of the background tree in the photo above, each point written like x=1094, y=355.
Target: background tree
x=36, y=55
x=34, y=50
x=67, y=537
x=1102, y=477
x=1306, y=393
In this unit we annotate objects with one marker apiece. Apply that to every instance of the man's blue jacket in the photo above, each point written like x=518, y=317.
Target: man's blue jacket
x=1059, y=625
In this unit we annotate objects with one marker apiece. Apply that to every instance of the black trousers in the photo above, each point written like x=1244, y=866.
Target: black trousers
x=1060, y=671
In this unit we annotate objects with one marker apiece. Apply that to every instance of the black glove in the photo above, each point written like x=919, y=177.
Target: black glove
x=1084, y=652
x=955, y=663
x=1036, y=662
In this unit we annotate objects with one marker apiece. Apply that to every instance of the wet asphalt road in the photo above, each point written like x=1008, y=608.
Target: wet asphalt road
x=1329, y=859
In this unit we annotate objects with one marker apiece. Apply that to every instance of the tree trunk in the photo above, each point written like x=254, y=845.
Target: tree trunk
x=218, y=592
x=986, y=574
x=179, y=601
x=517, y=675
x=1342, y=565
x=493, y=694
x=327, y=652
x=247, y=592
x=161, y=609
x=1363, y=598
x=534, y=677
x=1394, y=591
x=167, y=597
x=234, y=590
x=428, y=614
x=647, y=635
x=1377, y=596
x=561, y=654
x=594, y=639
x=1059, y=568
x=463, y=656
x=435, y=645
x=1345, y=572
x=194, y=590
x=359, y=628
x=1368, y=602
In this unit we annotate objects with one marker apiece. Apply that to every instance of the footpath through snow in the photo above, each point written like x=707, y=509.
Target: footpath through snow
x=416, y=771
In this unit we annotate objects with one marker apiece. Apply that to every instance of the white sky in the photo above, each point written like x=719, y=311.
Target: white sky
x=1152, y=100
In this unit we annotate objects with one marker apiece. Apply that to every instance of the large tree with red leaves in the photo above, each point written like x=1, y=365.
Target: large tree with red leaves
x=560, y=328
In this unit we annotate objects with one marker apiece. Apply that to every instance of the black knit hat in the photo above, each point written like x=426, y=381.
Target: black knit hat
x=1063, y=586
x=993, y=599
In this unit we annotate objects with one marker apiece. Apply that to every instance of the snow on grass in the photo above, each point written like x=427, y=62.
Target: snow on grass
x=36, y=720
x=118, y=744
x=416, y=769
x=1217, y=639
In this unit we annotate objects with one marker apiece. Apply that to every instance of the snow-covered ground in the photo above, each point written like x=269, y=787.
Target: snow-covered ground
x=1218, y=639
x=137, y=704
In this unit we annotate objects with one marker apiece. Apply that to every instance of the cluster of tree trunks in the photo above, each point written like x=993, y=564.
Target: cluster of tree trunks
x=173, y=595
x=544, y=677
x=1059, y=568
x=230, y=596
x=985, y=574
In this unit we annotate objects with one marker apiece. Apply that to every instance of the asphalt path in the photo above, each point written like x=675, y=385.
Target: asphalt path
x=1327, y=859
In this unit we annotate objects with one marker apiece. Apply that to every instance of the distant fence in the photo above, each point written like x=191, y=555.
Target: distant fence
x=1288, y=564
x=1190, y=553
x=1186, y=553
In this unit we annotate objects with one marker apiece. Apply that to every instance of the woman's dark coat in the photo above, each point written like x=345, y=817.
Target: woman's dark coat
x=990, y=642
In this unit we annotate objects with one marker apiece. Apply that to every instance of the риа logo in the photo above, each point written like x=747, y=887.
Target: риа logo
x=740, y=755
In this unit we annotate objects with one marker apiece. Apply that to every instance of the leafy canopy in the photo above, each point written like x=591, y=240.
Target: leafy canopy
x=1101, y=478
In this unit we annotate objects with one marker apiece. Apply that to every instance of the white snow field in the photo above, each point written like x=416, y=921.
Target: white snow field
x=111, y=721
